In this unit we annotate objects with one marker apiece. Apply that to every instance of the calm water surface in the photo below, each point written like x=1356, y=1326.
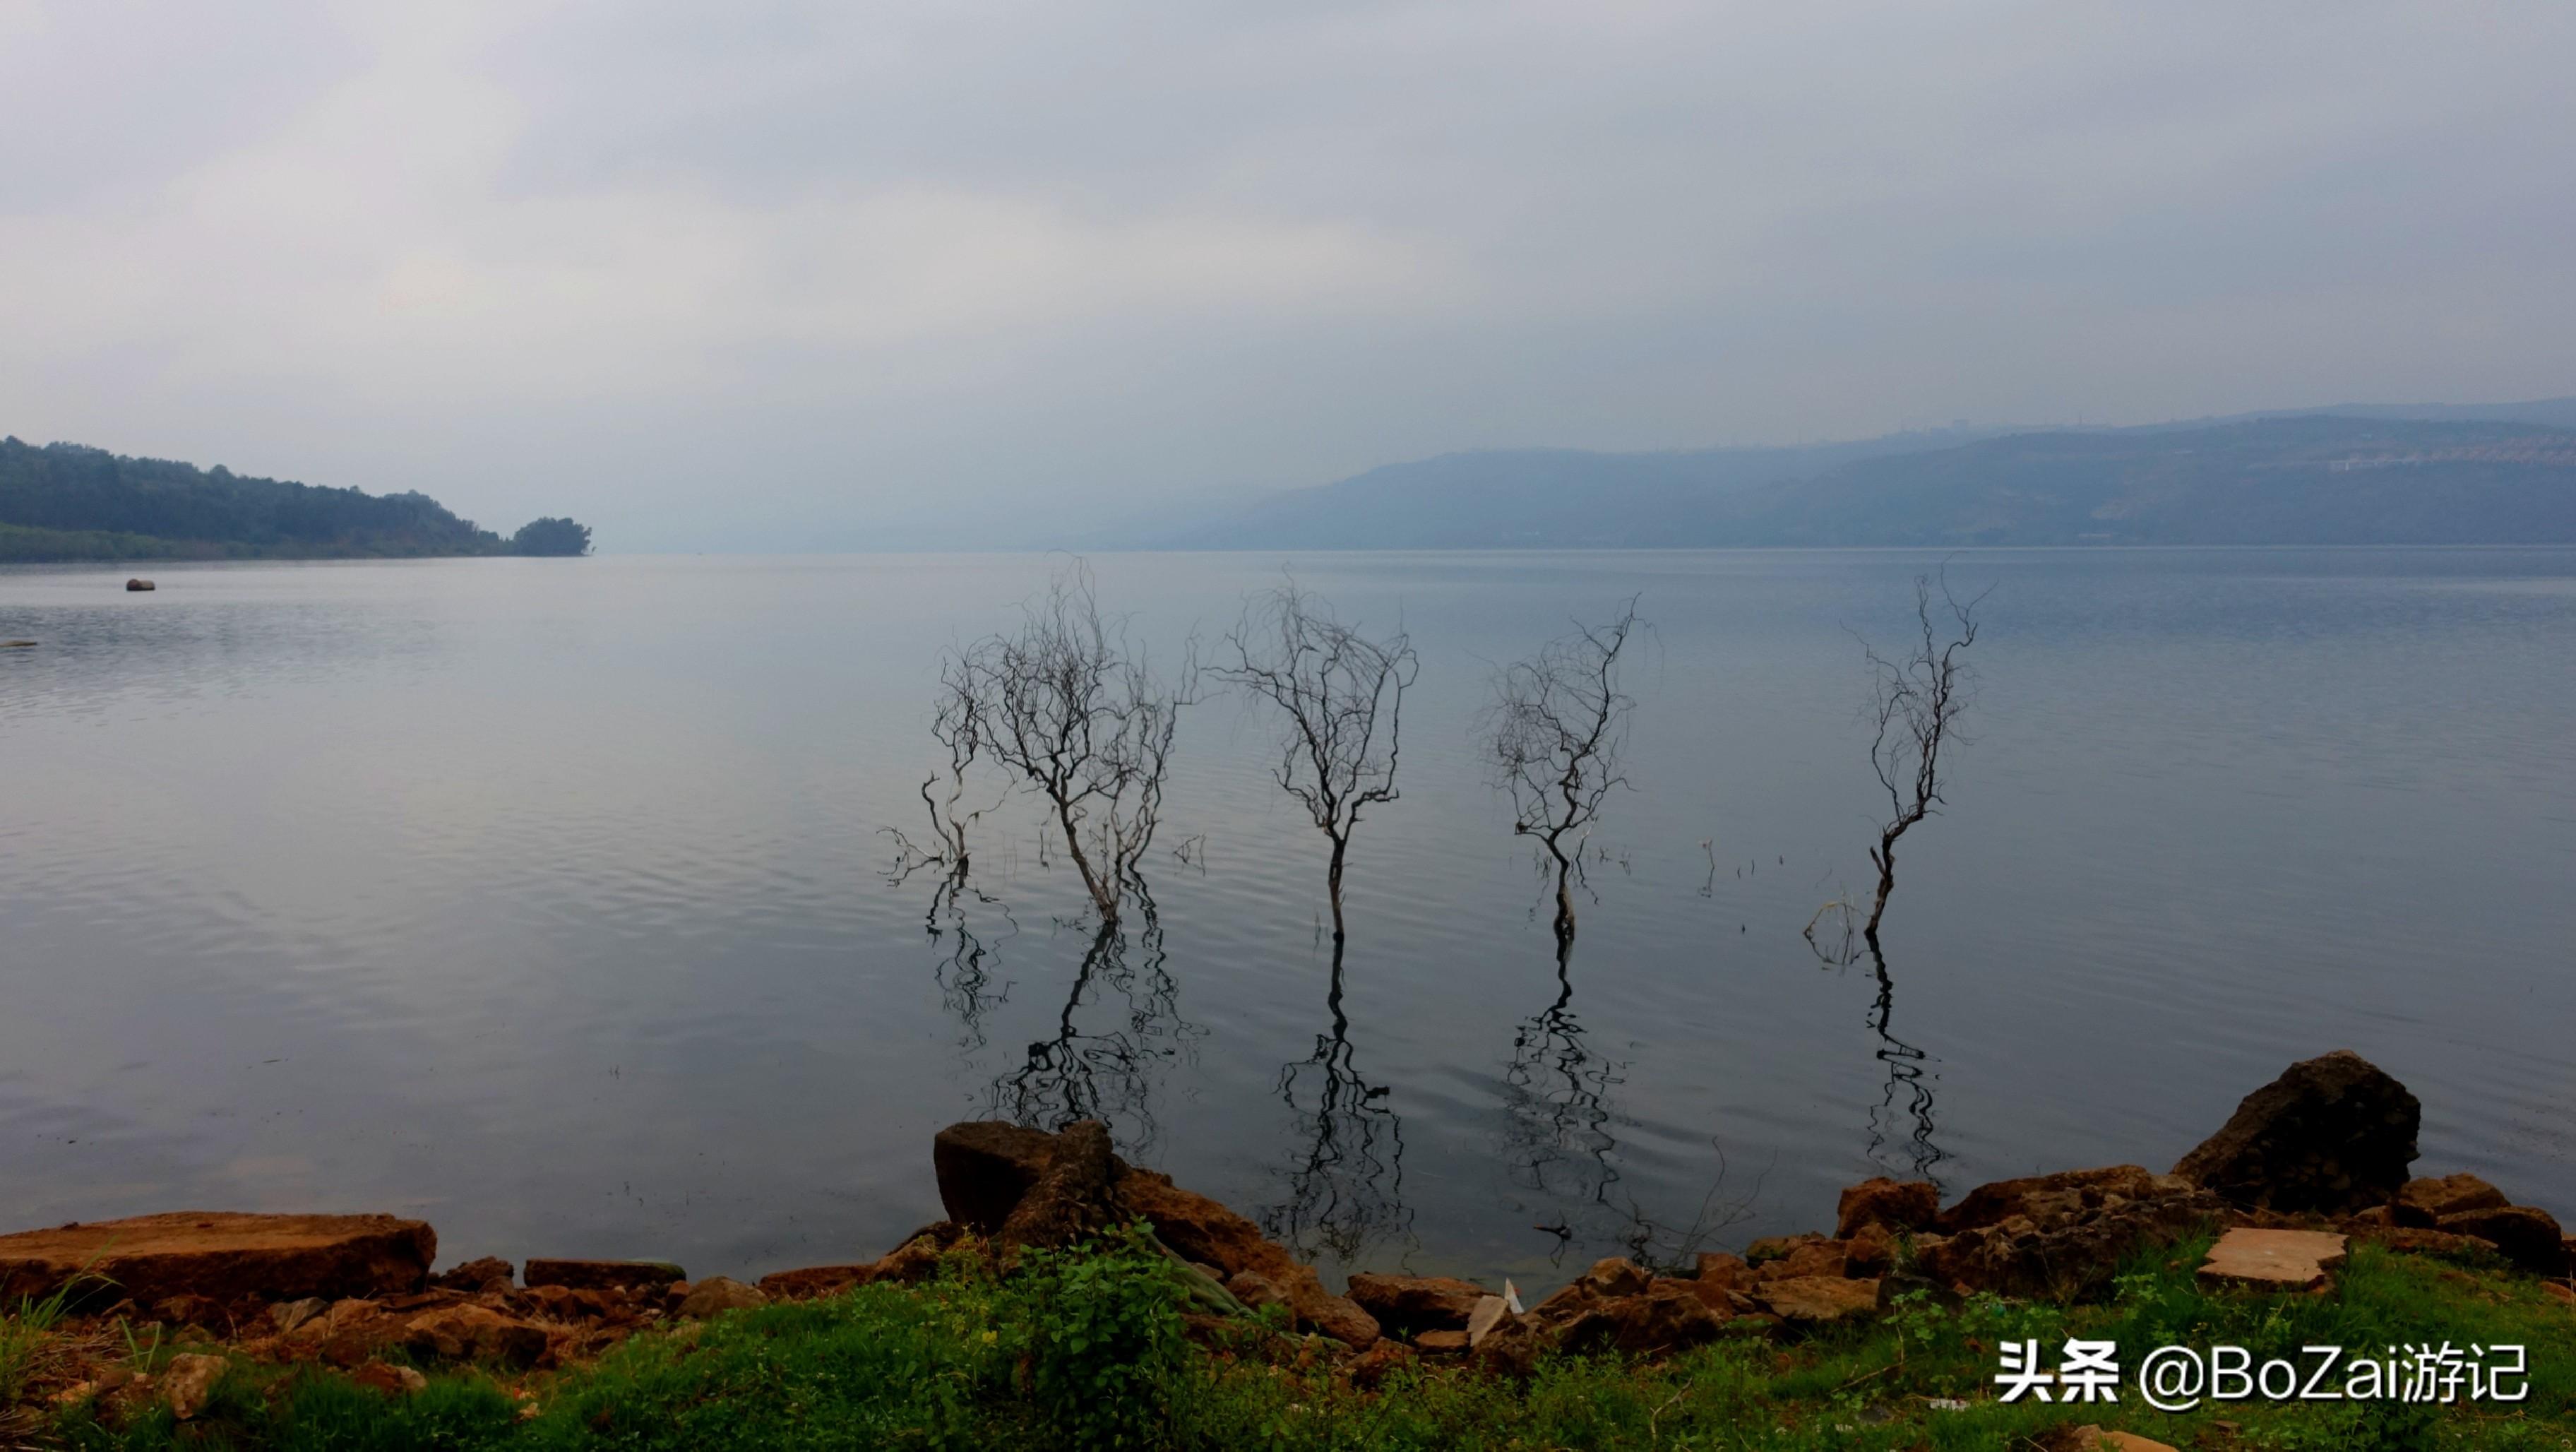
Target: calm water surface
x=548, y=900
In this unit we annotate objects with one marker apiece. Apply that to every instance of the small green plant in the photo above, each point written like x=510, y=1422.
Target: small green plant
x=1101, y=1350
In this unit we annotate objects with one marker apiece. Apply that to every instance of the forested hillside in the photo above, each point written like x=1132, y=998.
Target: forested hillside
x=69, y=502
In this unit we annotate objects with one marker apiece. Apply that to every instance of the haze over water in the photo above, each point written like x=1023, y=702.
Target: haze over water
x=548, y=900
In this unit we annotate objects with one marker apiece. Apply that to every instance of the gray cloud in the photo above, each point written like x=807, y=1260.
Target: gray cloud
x=783, y=275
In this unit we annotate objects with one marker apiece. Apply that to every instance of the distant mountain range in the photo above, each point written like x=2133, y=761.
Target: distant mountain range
x=70, y=502
x=2357, y=474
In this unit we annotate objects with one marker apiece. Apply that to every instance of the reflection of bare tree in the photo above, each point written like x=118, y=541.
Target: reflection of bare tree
x=1347, y=1190
x=1905, y=1079
x=965, y=969
x=1107, y=1074
x=1556, y=1103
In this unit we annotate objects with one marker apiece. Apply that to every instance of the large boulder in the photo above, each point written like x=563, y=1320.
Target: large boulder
x=1073, y=1198
x=1413, y=1304
x=223, y=1256
x=984, y=1166
x=2333, y=1134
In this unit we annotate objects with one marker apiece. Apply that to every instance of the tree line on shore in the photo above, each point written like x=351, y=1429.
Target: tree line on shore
x=72, y=502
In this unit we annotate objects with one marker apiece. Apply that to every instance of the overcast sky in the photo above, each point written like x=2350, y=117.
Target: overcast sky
x=833, y=275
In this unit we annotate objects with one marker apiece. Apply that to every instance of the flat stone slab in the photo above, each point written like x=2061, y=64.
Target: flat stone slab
x=2274, y=1260
x=223, y=1256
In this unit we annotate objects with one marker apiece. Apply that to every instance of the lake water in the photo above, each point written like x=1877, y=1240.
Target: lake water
x=548, y=900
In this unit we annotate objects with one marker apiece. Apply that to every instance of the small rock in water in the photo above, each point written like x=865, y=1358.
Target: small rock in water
x=140, y=585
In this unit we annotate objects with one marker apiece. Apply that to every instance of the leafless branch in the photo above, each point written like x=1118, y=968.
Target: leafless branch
x=1342, y=695
x=1556, y=733
x=1069, y=711
x=1916, y=700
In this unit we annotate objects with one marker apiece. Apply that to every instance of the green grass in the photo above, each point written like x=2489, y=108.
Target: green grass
x=1088, y=1351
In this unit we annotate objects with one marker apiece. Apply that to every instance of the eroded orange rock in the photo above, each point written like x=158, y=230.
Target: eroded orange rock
x=224, y=1256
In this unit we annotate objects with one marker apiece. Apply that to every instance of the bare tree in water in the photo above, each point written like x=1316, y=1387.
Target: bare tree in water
x=1556, y=729
x=1915, y=703
x=1069, y=711
x=1343, y=696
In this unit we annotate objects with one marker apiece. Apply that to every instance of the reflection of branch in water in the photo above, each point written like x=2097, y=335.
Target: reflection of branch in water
x=1557, y=1114
x=1348, y=1190
x=964, y=975
x=1111, y=1075
x=1905, y=1065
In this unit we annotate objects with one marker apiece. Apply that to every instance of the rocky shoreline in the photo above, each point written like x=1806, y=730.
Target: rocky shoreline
x=2314, y=1161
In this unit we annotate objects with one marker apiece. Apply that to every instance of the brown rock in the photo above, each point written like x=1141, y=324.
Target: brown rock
x=1726, y=1272
x=2074, y=1252
x=391, y=1380
x=2068, y=1192
x=1871, y=1251
x=2529, y=1238
x=718, y=1294
x=1512, y=1349
x=1415, y=1303
x=2560, y=1292
x=2414, y=1240
x=474, y=1333
x=1896, y=1204
x=603, y=1275
x=476, y=1275
x=1369, y=1370
x=223, y=1256
x=1615, y=1276
x=1255, y=1290
x=1073, y=1199
x=1667, y=1316
x=2425, y=1201
x=1814, y=1258
x=984, y=1167
x=2332, y=1134
x=2275, y=1260
x=1812, y=1300
x=287, y=1315
x=1200, y=1229
x=189, y=1382
x=1441, y=1343
x=1777, y=1247
x=816, y=1281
